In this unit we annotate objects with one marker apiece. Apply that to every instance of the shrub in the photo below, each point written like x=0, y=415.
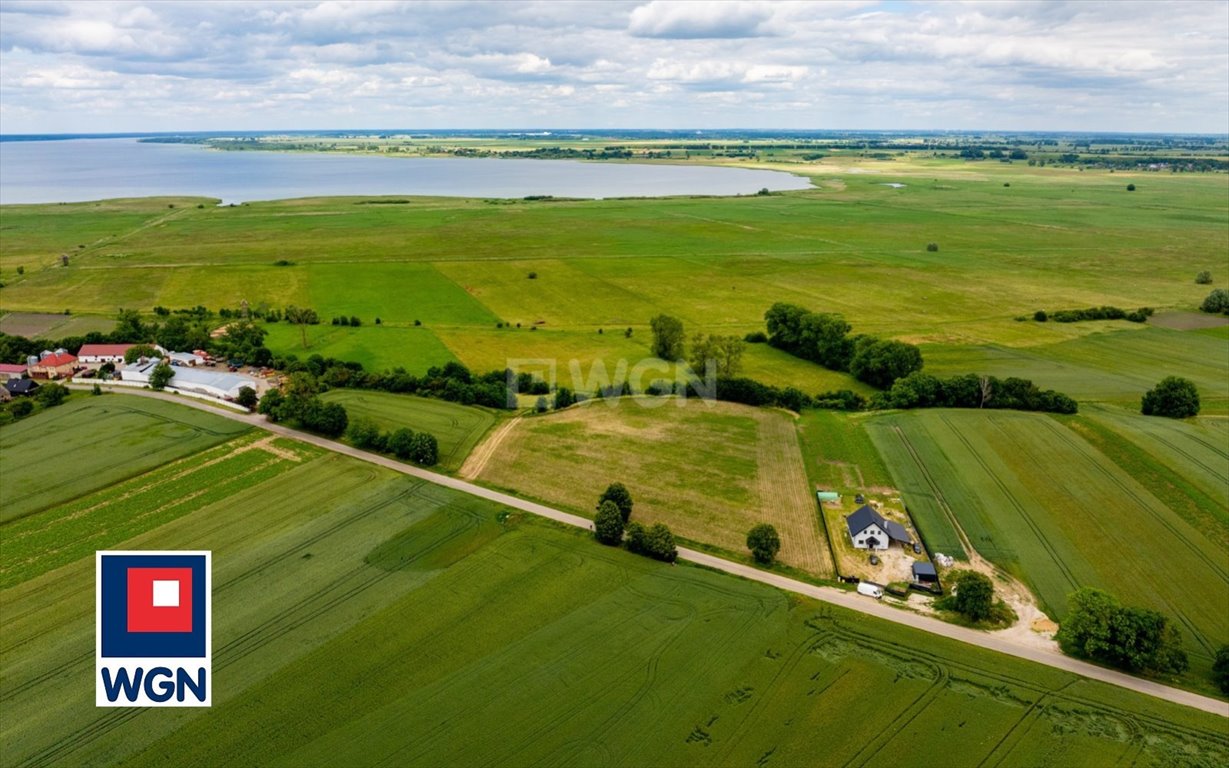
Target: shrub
x=756, y=337
x=363, y=433
x=21, y=408
x=1203, y=278
x=879, y=363
x=1040, y=316
x=96, y=390
x=656, y=542
x=533, y=275
x=608, y=524
x=424, y=449
x=1217, y=301
x=246, y=397
x=1174, y=397
x=401, y=443
x=1220, y=669
x=764, y=543
x=617, y=494
x=839, y=400
x=932, y=247
x=160, y=376
x=1130, y=187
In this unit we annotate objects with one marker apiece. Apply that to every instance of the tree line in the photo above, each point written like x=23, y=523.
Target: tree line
x=823, y=337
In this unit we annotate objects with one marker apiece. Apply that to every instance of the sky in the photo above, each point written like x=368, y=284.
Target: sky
x=97, y=66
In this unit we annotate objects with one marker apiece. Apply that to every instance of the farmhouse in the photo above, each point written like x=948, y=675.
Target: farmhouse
x=224, y=386
x=870, y=530
x=98, y=354
x=10, y=371
x=54, y=365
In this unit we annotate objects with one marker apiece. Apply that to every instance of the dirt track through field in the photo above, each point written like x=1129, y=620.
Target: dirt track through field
x=785, y=497
x=477, y=460
x=831, y=595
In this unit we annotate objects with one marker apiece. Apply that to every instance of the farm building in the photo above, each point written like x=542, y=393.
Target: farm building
x=20, y=386
x=224, y=386
x=190, y=359
x=10, y=371
x=54, y=365
x=830, y=496
x=97, y=354
x=870, y=530
x=925, y=573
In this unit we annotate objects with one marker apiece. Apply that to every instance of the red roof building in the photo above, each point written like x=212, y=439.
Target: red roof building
x=10, y=371
x=103, y=353
x=54, y=366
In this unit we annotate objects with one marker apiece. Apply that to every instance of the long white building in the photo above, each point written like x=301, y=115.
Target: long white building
x=219, y=384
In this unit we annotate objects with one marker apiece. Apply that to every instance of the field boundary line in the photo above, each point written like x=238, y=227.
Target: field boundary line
x=832, y=595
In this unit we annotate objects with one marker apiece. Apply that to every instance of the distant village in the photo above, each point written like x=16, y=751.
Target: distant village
x=196, y=373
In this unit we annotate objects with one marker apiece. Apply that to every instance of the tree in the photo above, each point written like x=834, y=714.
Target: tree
x=128, y=326
x=618, y=494
x=329, y=419
x=247, y=398
x=563, y=398
x=179, y=333
x=302, y=317
x=1173, y=397
x=974, y=595
x=659, y=543
x=51, y=394
x=21, y=408
x=1217, y=301
x=160, y=376
x=135, y=353
x=363, y=433
x=668, y=338
x=401, y=443
x=879, y=362
x=764, y=543
x=424, y=449
x=608, y=524
x=1220, y=669
x=1130, y=187
x=1136, y=639
x=271, y=405
x=726, y=352
x=1204, y=278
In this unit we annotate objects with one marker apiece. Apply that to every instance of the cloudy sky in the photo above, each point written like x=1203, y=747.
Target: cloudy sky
x=176, y=66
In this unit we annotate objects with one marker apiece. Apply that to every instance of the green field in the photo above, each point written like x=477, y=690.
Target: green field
x=86, y=445
x=1044, y=504
x=1054, y=238
x=362, y=618
x=458, y=428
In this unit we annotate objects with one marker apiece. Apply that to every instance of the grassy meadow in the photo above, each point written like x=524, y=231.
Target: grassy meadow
x=458, y=428
x=1012, y=239
x=1041, y=502
x=708, y=470
x=363, y=618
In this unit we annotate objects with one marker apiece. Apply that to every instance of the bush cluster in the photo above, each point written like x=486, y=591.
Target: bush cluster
x=612, y=526
x=47, y=396
x=1098, y=627
x=824, y=338
x=1140, y=315
x=1173, y=396
x=1217, y=301
x=406, y=444
x=921, y=390
x=351, y=321
x=308, y=410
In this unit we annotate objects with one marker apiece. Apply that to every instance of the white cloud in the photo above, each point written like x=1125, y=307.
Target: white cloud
x=685, y=19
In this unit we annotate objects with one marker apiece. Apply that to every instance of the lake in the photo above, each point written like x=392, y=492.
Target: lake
x=94, y=169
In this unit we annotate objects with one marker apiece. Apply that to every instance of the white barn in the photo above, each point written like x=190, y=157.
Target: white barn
x=222, y=385
x=870, y=530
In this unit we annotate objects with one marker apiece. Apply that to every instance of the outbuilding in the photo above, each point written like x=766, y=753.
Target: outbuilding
x=99, y=354
x=925, y=573
x=829, y=496
x=21, y=386
x=54, y=365
x=870, y=530
x=11, y=371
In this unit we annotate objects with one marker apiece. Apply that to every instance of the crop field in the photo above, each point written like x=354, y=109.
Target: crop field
x=88, y=444
x=458, y=428
x=1044, y=504
x=362, y=618
x=1052, y=239
x=708, y=470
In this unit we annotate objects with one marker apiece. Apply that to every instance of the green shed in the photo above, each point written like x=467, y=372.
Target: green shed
x=827, y=496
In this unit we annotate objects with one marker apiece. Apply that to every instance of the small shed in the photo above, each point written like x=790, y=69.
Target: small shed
x=830, y=496
x=925, y=573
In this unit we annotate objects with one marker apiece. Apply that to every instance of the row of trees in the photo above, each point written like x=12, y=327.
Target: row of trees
x=1107, y=312
x=824, y=338
x=1100, y=628
x=406, y=444
x=921, y=390
x=299, y=402
x=613, y=526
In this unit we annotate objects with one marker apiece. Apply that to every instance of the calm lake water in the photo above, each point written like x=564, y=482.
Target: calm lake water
x=95, y=169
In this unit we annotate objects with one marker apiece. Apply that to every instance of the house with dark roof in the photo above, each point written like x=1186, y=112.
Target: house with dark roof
x=21, y=386
x=870, y=530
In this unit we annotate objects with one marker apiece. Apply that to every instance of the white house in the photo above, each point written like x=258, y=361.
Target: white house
x=870, y=530
x=98, y=354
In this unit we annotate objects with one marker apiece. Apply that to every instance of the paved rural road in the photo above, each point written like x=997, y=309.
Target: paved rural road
x=831, y=595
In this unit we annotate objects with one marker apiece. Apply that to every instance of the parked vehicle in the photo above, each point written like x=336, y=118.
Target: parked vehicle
x=917, y=548
x=870, y=590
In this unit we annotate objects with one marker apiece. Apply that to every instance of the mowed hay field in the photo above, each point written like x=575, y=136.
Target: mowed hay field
x=1040, y=501
x=708, y=470
x=458, y=428
x=90, y=443
x=1053, y=239
x=365, y=618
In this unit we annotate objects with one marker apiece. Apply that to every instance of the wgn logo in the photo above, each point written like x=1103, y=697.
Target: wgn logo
x=153, y=629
